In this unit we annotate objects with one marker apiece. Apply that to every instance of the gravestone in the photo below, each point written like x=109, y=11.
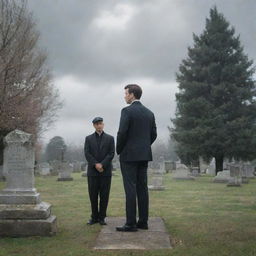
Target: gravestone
x=22, y=213
x=157, y=175
x=84, y=170
x=211, y=170
x=203, y=165
x=44, y=168
x=222, y=177
x=65, y=172
x=84, y=174
x=83, y=166
x=155, y=238
x=248, y=171
x=235, y=179
x=195, y=172
x=55, y=167
x=168, y=166
x=77, y=167
x=182, y=174
x=156, y=181
x=2, y=177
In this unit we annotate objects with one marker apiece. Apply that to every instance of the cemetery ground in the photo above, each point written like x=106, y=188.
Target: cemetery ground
x=202, y=218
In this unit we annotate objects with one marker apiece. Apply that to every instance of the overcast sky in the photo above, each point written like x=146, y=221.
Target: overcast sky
x=97, y=47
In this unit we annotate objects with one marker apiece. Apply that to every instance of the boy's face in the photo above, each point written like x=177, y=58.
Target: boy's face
x=99, y=126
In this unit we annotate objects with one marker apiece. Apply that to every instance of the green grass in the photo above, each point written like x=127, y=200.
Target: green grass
x=203, y=218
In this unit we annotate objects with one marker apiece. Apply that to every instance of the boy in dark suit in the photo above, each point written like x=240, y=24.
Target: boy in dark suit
x=99, y=150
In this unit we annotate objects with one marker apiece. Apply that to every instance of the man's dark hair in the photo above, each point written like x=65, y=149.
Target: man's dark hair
x=135, y=89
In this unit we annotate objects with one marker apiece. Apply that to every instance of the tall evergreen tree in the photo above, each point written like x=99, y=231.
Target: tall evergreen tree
x=216, y=107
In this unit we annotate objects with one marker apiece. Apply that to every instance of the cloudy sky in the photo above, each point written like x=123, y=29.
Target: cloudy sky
x=97, y=47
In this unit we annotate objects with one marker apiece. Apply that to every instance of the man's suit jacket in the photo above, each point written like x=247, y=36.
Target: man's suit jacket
x=137, y=131
x=103, y=155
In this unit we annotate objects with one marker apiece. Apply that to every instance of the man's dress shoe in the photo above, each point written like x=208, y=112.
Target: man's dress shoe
x=92, y=221
x=102, y=222
x=127, y=228
x=142, y=225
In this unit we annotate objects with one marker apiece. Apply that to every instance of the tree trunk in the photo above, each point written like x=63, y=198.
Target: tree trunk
x=219, y=163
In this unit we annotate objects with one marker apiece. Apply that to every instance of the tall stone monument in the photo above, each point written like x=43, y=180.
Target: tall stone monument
x=22, y=213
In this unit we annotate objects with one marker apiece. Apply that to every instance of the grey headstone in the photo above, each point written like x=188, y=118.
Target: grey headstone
x=44, y=168
x=65, y=172
x=156, y=183
x=19, y=166
x=248, y=171
x=55, y=167
x=235, y=179
x=222, y=177
x=2, y=177
x=195, y=172
x=182, y=174
x=211, y=170
x=77, y=167
x=22, y=213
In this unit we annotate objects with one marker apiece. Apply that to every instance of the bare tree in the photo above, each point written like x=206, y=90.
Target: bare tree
x=28, y=99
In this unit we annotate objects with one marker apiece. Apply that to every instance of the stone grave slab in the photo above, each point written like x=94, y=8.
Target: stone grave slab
x=156, y=237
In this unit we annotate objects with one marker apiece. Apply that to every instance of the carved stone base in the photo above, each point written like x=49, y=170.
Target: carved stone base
x=24, y=228
x=19, y=197
x=25, y=211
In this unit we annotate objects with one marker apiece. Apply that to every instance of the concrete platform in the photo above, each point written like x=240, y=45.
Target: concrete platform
x=156, y=237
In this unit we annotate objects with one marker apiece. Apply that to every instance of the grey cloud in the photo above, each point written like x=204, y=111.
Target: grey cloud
x=152, y=45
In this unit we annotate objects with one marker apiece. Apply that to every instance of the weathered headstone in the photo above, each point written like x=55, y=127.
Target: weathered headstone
x=235, y=179
x=182, y=174
x=168, y=166
x=22, y=213
x=203, y=165
x=195, y=172
x=55, y=167
x=2, y=177
x=156, y=181
x=156, y=177
x=222, y=177
x=248, y=171
x=44, y=168
x=65, y=172
x=84, y=174
x=211, y=170
x=77, y=167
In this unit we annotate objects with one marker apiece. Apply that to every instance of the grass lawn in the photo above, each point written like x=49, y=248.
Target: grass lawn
x=203, y=218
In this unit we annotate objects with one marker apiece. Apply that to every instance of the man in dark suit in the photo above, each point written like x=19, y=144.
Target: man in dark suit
x=99, y=150
x=137, y=131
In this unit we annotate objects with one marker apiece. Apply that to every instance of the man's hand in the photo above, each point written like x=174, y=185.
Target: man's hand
x=99, y=167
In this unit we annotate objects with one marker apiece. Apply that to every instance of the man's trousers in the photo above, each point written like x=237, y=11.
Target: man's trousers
x=99, y=188
x=136, y=189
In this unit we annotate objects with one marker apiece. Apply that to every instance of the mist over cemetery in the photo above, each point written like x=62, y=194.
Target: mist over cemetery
x=201, y=182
